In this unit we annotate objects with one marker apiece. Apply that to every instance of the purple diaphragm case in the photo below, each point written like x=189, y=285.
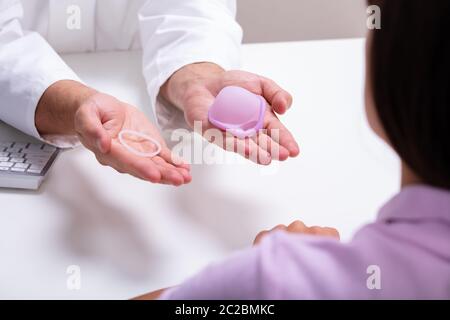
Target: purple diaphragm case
x=238, y=111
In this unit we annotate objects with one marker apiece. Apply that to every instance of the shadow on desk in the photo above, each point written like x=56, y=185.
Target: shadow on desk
x=230, y=218
x=99, y=231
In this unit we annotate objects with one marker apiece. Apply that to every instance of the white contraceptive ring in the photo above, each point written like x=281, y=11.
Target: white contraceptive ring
x=140, y=135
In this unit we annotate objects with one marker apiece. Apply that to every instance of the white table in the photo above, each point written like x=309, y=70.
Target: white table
x=129, y=237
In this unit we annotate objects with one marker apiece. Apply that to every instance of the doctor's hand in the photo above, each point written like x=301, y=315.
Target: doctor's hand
x=299, y=227
x=97, y=118
x=194, y=87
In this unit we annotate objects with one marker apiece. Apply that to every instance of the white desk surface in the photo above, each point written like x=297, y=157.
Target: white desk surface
x=130, y=237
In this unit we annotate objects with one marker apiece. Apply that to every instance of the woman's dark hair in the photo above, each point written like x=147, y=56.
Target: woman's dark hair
x=409, y=67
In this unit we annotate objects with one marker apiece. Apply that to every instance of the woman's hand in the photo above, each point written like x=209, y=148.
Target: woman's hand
x=299, y=227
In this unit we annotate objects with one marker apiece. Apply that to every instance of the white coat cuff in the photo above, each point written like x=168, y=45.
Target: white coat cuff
x=57, y=140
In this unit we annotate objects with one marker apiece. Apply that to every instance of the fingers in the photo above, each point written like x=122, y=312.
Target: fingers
x=300, y=228
x=325, y=231
x=278, y=132
x=297, y=226
x=182, y=167
x=89, y=126
x=264, y=233
x=124, y=162
x=169, y=157
x=274, y=149
x=278, y=98
x=169, y=173
x=261, y=148
x=249, y=149
x=259, y=237
x=155, y=169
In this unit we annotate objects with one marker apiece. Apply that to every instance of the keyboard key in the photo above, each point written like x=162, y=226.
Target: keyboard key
x=21, y=165
x=34, y=146
x=6, y=164
x=37, y=167
x=38, y=156
x=5, y=144
x=37, y=162
x=13, y=149
x=38, y=152
x=25, y=158
x=16, y=155
x=34, y=171
x=20, y=144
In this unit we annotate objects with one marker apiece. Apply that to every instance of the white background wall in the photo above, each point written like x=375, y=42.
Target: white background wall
x=289, y=20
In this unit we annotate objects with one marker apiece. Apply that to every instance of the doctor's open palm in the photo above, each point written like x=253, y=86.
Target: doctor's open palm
x=98, y=122
x=193, y=89
x=69, y=107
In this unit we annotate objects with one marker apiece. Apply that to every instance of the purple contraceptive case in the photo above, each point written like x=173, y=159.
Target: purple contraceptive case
x=238, y=111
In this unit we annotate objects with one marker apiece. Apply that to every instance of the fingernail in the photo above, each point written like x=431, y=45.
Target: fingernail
x=287, y=104
x=265, y=158
x=293, y=148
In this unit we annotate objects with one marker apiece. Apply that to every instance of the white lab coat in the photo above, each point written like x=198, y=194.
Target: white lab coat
x=172, y=33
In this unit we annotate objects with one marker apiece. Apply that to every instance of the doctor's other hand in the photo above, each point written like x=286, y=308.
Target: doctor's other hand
x=69, y=107
x=299, y=227
x=194, y=87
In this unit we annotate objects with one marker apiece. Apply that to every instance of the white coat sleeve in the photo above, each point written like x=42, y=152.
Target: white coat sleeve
x=28, y=66
x=175, y=33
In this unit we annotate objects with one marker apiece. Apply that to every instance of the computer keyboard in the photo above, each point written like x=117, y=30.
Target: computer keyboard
x=24, y=165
